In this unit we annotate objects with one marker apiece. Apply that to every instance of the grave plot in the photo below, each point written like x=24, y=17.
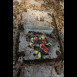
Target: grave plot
x=37, y=39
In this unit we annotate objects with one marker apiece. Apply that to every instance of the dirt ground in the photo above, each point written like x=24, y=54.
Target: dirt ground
x=54, y=6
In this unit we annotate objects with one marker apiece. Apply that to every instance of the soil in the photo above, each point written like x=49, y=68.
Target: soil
x=55, y=6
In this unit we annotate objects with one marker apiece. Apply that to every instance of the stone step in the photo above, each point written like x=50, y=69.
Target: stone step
x=40, y=70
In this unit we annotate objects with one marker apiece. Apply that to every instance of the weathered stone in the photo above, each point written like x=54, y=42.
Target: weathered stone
x=45, y=27
x=40, y=70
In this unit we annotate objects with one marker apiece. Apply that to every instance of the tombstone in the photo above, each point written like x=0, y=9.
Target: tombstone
x=39, y=22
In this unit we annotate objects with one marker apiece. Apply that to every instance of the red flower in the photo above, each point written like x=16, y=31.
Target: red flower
x=36, y=38
x=41, y=46
x=44, y=48
x=44, y=40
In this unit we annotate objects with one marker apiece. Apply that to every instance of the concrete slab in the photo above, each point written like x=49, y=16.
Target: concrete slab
x=41, y=70
x=36, y=18
x=37, y=21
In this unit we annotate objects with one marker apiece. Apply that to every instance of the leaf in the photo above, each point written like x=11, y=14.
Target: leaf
x=42, y=36
x=63, y=61
x=39, y=38
x=35, y=52
x=30, y=43
x=39, y=55
x=32, y=39
x=48, y=44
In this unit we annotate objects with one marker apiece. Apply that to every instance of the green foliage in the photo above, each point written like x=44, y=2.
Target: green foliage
x=30, y=43
x=49, y=44
x=63, y=61
x=32, y=40
x=42, y=36
x=35, y=52
x=39, y=55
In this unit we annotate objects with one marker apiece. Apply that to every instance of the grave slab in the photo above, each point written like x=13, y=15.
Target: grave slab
x=38, y=22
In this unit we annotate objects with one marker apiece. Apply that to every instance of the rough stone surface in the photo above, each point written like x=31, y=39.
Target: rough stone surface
x=32, y=22
x=40, y=70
